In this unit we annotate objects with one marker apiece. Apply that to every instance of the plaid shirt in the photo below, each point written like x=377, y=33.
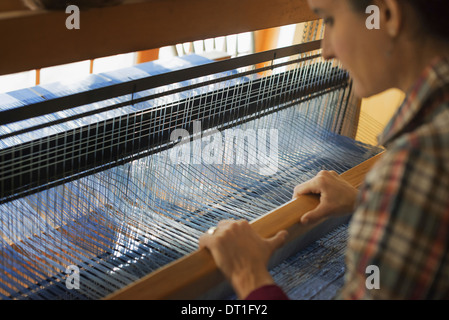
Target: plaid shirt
x=401, y=224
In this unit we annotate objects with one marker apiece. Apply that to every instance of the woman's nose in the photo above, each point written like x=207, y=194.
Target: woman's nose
x=326, y=45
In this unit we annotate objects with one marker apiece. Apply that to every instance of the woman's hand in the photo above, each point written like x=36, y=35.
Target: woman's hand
x=337, y=197
x=241, y=254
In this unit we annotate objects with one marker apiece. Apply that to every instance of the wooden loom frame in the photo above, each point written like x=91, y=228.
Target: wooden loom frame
x=118, y=29
x=37, y=39
x=196, y=273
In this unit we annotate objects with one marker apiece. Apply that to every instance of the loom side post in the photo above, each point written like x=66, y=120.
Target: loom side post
x=197, y=272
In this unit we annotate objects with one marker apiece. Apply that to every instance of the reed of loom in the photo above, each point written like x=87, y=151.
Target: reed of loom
x=215, y=18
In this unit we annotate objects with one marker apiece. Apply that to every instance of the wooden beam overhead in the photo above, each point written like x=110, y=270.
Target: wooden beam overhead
x=37, y=39
x=12, y=5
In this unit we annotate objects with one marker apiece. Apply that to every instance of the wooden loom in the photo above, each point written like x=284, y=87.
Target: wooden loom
x=198, y=273
x=133, y=23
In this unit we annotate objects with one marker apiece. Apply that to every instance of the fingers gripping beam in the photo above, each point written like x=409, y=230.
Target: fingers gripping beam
x=196, y=273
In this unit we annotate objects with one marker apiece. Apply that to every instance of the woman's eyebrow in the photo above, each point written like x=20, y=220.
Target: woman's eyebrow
x=318, y=11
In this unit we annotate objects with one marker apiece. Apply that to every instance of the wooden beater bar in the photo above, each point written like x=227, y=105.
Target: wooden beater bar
x=194, y=274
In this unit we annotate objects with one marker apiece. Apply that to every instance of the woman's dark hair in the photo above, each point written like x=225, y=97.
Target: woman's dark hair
x=434, y=14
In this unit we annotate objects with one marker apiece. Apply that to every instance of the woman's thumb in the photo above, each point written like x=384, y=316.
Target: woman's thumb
x=278, y=240
x=314, y=215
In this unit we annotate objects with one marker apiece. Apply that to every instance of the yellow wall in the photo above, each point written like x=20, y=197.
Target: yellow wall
x=376, y=112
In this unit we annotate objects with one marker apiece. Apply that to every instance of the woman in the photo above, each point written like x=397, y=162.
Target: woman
x=401, y=214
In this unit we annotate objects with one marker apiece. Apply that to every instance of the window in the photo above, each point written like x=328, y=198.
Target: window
x=65, y=73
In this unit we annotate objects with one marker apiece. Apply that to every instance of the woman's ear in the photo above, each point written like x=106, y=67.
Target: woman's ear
x=391, y=16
